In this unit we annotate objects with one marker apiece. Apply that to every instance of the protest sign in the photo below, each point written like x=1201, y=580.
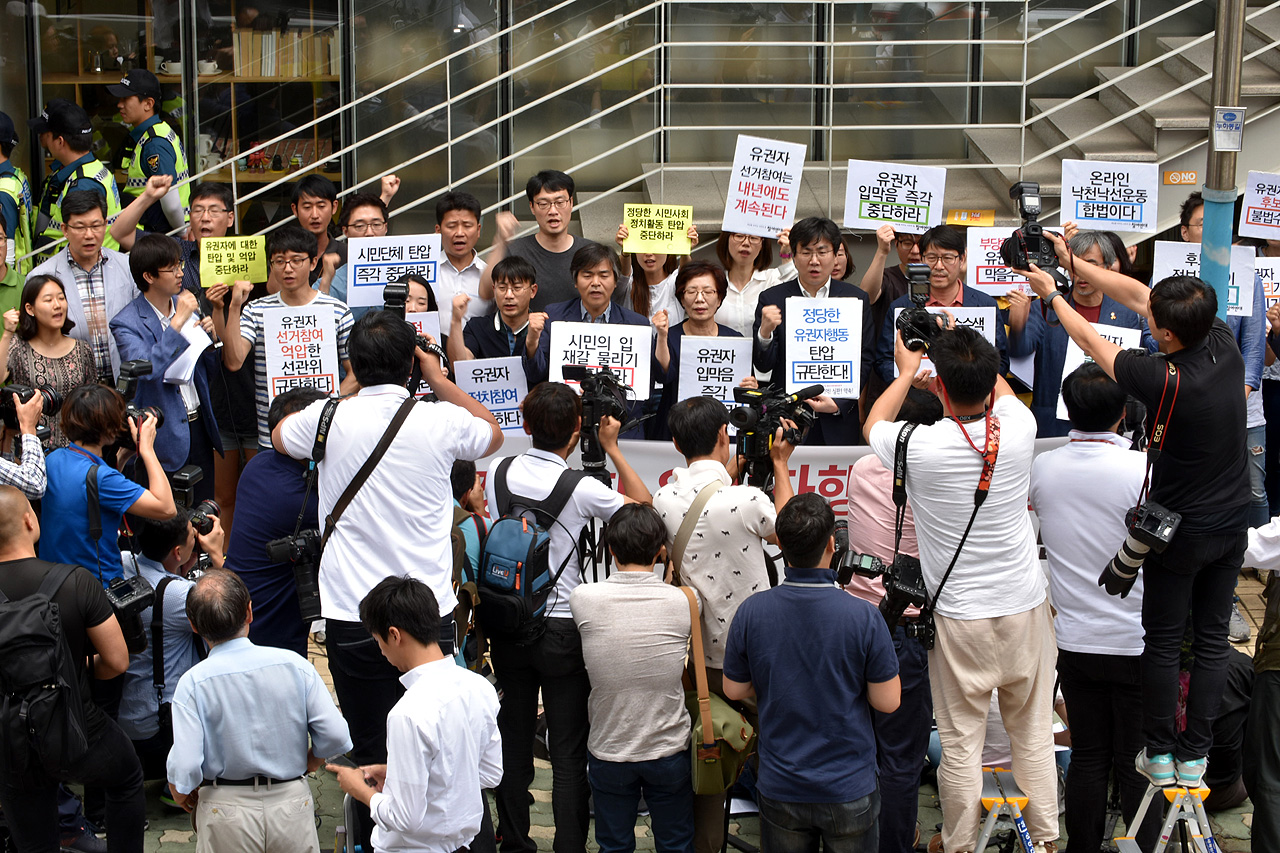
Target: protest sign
x=226, y=260
x=425, y=323
x=1260, y=215
x=986, y=269
x=824, y=345
x=981, y=319
x=498, y=384
x=1107, y=196
x=713, y=367
x=301, y=345
x=658, y=228
x=375, y=262
x=1184, y=259
x=764, y=186
x=1268, y=269
x=1118, y=335
x=907, y=197
x=626, y=350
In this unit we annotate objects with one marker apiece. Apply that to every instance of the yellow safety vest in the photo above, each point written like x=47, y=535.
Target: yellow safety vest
x=136, y=181
x=51, y=207
x=17, y=187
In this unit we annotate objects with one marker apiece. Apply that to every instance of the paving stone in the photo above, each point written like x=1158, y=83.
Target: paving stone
x=175, y=835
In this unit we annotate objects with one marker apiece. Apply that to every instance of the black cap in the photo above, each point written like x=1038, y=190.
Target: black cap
x=8, y=133
x=62, y=118
x=138, y=81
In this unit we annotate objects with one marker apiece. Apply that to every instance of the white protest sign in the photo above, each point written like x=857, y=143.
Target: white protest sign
x=1260, y=215
x=713, y=367
x=301, y=345
x=982, y=319
x=986, y=270
x=375, y=262
x=626, y=350
x=498, y=384
x=425, y=323
x=824, y=345
x=1118, y=335
x=907, y=197
x=1106, y=196
x=763, y=186
x=1268, y=269
x=1184, y=259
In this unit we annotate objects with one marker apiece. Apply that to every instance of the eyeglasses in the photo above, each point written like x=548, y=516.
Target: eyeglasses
x=289, y=263
x=558, y=203
x=908, y=242
x=366, y=227
x=749, y=239
x=947, y=260
x=513, y=288
x=176, y=269
x=810, y=254
x=84, y=228
x=208, y=211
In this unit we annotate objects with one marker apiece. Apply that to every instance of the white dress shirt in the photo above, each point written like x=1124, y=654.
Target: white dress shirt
x=187, y=389
x=443, y=748
x=451, y=281
x=738, y=310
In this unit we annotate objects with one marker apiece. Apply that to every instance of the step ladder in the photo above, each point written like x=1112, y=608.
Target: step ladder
x=1186, y=812
x=1002, y=797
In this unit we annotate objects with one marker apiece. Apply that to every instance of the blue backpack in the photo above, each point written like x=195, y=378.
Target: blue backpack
x=515, y=578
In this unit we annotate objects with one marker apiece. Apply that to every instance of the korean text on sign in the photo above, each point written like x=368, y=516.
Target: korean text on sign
x=1118, y=335
x=713, y=367
x=1107, y=196
x=763, y=186
x=986, y=269
x=226, y=260
x=983, y=320
x=907, y=197
x=824, y=345
x=626, y=350
x=659, y=228
x=498, y=384
x=1184, y=259
x=375, y=262
x=302, y=349
x=1260, y=215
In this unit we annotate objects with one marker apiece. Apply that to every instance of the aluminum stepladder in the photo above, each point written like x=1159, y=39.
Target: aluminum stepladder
x=1002, y=796
x=1186, y=809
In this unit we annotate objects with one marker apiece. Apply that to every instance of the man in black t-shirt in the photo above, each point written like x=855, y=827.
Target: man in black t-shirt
x=93, y=636
x=1200, y=472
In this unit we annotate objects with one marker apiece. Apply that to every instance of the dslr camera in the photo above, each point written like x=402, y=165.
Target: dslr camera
x=9, y=409
x=919, y=327
x=303, y=551
x=1151, y=528
x=903, y=585
x=757, y=420
x=129, y=597
x=127, y=385
x=394, y=299
x=1028, y=245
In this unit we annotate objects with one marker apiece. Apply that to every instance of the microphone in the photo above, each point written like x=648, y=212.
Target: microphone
x=806, y=393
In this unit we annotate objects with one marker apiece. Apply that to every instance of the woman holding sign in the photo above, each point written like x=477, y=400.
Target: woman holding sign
x=748, y=262
x=652, y=287
x=700, y=288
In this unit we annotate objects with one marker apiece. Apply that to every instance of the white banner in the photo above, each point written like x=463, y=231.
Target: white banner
x=1184, y=259
x=824, y=345
x=1268, y=269
x=301, y=346
x=764, y=186
x=982, y=319
x=1106, y=196
x=499, y=384
x=1260, y=215
x=907, y=197
x=985, y=269
x=375, y=262
x=1118, y=335
x=625, y=350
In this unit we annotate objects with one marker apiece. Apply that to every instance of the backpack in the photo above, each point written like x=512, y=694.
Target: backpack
x=470, y=643
x=515, y=577
x=42, y=719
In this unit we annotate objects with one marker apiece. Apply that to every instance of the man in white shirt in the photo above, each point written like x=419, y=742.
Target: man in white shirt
x=1081, y=493
x=992, y=615
x=552, y=666
x=458, y=224
x=443, y=746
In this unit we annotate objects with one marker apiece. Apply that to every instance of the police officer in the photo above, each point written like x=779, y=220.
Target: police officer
x=15, y=200
x=153, y=149
x=65, y=132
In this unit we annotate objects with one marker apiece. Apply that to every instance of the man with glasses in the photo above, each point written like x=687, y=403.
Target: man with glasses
x=363, y=215
x=506, y=332
x=103, y=283
x=292, y=254
x=942, y=249
x=550, y=249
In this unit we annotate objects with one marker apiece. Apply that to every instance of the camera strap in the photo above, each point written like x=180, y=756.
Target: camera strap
x=900, y=485
x=1160, y=426
x=349, y=493
x=157, y=639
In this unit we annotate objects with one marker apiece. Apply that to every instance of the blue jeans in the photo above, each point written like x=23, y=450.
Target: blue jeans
x=839, y=827
x=667, y=787
x=1256, y=445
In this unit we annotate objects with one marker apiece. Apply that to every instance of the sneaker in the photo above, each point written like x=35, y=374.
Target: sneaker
x=1237, y=628
x=1158, y=769
x=1191, y=773
x=167, y=799
x=83, y=841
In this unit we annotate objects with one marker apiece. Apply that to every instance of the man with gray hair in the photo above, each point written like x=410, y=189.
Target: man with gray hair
x=248, y=722
x=1031, y=332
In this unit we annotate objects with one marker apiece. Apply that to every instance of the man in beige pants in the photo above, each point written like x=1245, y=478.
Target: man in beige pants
x=994, y=631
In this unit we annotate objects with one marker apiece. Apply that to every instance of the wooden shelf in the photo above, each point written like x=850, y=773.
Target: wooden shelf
x=110, y=78
x=223, y=176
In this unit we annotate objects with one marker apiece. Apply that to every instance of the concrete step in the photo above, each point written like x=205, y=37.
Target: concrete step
x=1116, y=142
x=1257, y=79
x=1004, y=146
x=1184, y=111
x=1262, y=30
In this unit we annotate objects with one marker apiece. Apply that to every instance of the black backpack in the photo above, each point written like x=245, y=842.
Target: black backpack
x=42, y=719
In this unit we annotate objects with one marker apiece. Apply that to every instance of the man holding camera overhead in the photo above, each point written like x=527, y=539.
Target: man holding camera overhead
x=967, y=478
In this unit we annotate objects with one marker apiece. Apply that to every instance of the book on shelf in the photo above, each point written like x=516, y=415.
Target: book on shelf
x=285, y=54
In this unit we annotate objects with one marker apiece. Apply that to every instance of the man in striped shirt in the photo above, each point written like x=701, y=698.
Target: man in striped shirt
x=291, y=254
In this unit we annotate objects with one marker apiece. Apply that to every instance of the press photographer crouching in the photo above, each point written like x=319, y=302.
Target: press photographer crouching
x=1197, y=471
x=967, y=478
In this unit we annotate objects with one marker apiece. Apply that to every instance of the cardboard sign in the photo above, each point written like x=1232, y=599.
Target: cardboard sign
x=626, y=350
x=907, y=197
x=986, y=270
x=763, y=186
x=375, y=262
x=713, y=367
x=824, y=345
x=1184, y=259
x=1260, y=215
x=1118, y=335
x=226, y=260
x=657, y=228
x=982, y=319
x=1107, y=196
x=498, y=384
x=301, y=345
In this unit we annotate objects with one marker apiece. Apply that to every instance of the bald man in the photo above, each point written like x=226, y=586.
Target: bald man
x=30, y=802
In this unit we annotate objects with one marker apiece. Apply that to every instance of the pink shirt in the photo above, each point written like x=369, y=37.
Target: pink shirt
x=870, y=513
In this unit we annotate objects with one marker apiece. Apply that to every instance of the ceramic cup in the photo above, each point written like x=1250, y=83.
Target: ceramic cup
x=171, y=67
x=207, y=67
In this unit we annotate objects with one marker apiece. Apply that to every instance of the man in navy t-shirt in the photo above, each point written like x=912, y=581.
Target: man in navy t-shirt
x=818, y=660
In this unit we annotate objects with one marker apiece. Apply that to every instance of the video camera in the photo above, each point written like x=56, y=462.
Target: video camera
x=758, y=419
x=394, y=298
x=1151, y=528
x=603, y=394
x=1028, y=245
x=9, y=409
x=129, y=597
x=903, y=585
x=303, y=551
x=919, y=327
x=127, y=385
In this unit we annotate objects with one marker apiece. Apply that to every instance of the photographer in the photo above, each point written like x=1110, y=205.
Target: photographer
x=29, y=477
x=552, y=665
x=986, y=590
x=166, y=552
x=1199, y=472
